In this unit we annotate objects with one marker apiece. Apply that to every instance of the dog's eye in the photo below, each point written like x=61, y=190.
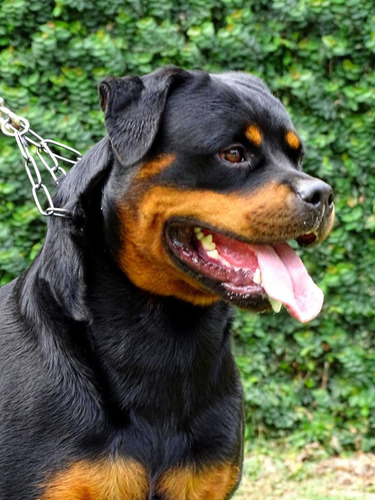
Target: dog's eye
x=233, y=155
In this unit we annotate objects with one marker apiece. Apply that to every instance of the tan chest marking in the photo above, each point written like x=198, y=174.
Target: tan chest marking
x=211, y=483
x=122, y=479
x=117, y=479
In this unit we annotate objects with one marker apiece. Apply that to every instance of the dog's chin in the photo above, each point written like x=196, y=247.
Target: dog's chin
x=224, y=265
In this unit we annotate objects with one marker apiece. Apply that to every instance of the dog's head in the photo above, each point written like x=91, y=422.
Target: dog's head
x=206, y=189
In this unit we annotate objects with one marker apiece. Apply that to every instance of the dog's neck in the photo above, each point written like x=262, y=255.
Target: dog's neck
x=126, y=338
x=157, y=346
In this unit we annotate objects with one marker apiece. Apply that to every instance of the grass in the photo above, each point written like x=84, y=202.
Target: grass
x=274, y=473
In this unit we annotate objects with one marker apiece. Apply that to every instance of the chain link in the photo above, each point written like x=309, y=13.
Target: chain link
x=18, y=127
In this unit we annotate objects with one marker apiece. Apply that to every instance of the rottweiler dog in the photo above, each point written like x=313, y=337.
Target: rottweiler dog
x=117, y=378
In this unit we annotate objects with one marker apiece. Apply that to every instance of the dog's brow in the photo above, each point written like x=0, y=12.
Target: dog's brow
x=292, y=140
x=254, y=135
x=155, y=166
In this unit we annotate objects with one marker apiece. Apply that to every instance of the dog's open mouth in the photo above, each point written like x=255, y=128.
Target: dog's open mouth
x=255, y=277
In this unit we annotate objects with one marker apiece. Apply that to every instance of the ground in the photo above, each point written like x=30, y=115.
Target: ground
x=274, y=474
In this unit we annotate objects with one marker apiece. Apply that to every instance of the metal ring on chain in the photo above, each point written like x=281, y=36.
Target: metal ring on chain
x=8, y=128
x=18, y=127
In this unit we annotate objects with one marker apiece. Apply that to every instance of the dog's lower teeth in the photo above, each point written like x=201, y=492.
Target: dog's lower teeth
x=257, y=278
x=213, y=254
x=224, y=262
x=275, y=304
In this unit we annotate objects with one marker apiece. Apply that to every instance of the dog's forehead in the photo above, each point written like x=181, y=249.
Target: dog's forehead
x=212, y=108
x=253, y=92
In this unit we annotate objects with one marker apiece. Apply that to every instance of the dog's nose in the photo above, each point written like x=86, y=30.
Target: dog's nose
x=316, y=193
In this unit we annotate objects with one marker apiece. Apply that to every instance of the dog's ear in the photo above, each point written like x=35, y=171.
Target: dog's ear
x=133, y=108
x=60, y=267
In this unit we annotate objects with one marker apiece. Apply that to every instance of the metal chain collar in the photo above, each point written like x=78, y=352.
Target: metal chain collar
x=18, y=127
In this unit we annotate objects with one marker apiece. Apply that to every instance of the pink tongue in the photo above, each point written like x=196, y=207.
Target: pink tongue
x=284, y=277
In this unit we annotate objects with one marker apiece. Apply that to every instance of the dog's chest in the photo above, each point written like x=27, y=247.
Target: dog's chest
x=126, y=479
x=146, y=464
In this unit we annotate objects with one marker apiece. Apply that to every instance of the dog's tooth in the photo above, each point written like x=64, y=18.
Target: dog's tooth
x=214, y=254
x=198, y=233
x=207, y=243
x=208, y=238
x=208, y=246
x=275, y=304
x=225, y=262
x=257, y=278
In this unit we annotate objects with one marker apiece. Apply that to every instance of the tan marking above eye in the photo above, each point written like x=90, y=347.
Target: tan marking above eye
x=292, y=140
x=254, y=135
x=155, y=166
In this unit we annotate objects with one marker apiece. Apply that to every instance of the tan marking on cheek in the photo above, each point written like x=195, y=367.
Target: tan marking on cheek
x=155, y=166
x=254, y=135
x=101, y=480
x=211, y=483
x=143, y=256
x=292, y=140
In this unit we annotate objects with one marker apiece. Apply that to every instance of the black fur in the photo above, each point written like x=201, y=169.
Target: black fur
x=92, y=366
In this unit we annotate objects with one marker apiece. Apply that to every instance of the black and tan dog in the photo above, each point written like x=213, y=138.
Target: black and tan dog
x=117, y=380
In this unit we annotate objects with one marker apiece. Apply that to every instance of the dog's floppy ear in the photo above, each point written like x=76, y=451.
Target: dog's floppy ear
x=60, y=268
x=133, y=108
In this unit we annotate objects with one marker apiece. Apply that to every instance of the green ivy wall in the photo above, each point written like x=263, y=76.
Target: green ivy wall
x=308, y=382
